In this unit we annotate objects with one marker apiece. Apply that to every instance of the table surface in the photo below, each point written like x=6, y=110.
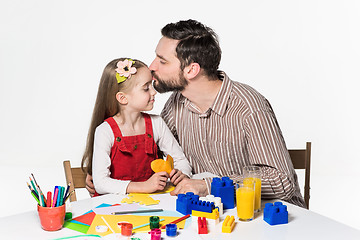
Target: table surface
x=303, y=224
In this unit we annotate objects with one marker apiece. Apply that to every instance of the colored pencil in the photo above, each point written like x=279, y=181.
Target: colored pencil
x=33, y=185
x=61, y=196
x=39, y=191
x=146, y=224
x=34, y=179
x=68, y=196
x=48, y=199
x=40, y=197
x=138, y=211
x=177, y=220
x=32, y=193
x=56, y=193
x=67, y=191
x=32, y=190
x=58, y=197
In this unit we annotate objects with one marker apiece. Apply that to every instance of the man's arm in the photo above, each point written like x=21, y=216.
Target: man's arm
x=266, y=148
x=197, y=186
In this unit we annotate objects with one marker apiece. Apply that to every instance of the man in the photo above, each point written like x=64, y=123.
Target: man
x=221, y=125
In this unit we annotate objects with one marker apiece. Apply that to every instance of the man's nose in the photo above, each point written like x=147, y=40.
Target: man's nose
x=152, y=66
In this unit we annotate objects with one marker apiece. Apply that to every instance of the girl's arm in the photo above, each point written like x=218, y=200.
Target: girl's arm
x=103, y=141
x=168, y=145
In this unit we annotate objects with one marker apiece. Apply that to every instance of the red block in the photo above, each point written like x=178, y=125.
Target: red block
x=202, y=226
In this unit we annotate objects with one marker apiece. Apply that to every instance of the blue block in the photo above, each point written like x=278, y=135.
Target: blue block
x=203, y=206
x=183, y=202
x=224, y=188
x=276, y=213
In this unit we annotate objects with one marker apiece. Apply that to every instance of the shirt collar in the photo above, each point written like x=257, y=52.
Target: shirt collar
x=221, y=101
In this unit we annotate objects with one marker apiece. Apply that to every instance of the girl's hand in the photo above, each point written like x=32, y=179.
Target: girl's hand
x=177, y=176
x=156, y=182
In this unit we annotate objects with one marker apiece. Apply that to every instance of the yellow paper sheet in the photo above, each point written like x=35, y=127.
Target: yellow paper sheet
x=168, y=188
x=136, y=220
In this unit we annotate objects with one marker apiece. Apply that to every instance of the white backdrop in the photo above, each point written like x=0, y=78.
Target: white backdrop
x=303, y=55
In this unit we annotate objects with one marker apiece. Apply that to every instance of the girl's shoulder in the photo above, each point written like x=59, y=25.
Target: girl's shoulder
x=103, y=128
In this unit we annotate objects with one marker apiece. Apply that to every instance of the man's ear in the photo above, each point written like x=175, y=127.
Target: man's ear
x=192, y=70
x=121, y=98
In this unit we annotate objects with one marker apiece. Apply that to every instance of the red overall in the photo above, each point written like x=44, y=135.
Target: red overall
x=131, y=156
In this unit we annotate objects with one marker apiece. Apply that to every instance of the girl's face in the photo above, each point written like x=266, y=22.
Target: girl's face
x=142, y=96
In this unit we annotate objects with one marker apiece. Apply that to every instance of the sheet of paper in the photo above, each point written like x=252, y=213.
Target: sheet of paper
x=117, y=208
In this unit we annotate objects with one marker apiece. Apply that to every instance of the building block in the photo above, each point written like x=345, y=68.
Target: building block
x=202, y=226
x=213, y=215
x=203, y=206
x=276, y=213
x=228, y=224
x=183, y=202
x=216, y=201
x=224, y=188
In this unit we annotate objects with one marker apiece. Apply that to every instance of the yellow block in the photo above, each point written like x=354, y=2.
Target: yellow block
x=228, y=224
x=214, y=215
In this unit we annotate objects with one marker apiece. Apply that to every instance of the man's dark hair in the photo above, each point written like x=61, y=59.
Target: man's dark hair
x=197, y=43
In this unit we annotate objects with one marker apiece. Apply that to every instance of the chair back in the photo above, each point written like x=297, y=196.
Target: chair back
x=75, y=176
x=301, y=160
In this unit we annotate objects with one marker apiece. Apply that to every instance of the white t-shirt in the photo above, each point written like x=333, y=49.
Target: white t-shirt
x=103, y=142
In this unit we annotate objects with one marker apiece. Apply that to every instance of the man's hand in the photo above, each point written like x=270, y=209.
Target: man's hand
x=196, y=186
x=90, y=185
x=177, y=176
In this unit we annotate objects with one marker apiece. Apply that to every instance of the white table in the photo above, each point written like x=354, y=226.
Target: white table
x=303, y=224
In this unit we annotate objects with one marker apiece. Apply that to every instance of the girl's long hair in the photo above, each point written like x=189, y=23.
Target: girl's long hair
x=106, y=105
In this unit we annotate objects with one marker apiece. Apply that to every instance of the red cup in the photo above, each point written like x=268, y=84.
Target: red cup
x=52, y=218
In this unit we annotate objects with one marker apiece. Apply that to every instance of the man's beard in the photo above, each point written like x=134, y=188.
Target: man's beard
x=169, y=86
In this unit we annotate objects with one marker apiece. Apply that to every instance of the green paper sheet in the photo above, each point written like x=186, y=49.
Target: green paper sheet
x=77, y=227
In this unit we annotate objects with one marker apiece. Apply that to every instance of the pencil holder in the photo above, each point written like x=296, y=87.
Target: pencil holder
x=52, y=218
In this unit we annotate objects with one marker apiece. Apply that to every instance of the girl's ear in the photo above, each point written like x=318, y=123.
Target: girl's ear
x=121, y=98
x=192, y=70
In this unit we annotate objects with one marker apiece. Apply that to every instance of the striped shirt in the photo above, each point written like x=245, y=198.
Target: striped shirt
x=238, y=130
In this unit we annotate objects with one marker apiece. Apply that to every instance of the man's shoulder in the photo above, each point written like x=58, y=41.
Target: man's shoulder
x=175, y=99
x=249, y=96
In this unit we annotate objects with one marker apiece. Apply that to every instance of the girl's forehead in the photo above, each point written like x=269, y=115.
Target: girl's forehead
x=143, y=76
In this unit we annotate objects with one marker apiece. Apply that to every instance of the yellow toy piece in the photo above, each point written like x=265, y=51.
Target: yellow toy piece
x=228, y=224
x=214, y=215
x=161, y=165
x=142, y=199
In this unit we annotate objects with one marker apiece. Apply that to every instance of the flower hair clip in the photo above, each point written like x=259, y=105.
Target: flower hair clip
x=124, y=70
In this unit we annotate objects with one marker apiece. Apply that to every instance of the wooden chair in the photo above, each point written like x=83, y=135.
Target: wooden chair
x=75, y=176
x=301, y=160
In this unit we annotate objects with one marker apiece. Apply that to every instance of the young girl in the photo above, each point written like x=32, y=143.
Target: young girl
x=122, y=140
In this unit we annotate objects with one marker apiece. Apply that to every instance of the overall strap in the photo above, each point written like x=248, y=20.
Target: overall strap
x=150, y=145
x=118, y=138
